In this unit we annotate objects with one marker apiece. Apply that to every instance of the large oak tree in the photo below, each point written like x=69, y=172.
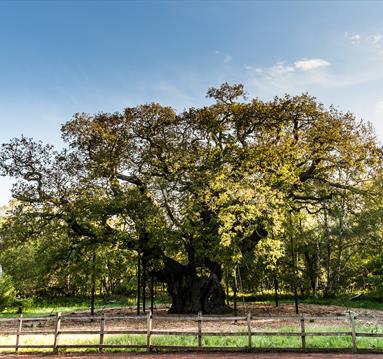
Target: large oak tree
x=191, y=192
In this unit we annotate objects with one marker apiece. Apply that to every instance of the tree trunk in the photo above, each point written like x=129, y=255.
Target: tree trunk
x=151, y=294
x=138, y=283
x=93, y=289
x=235, y=288
x=311, y=271
x=276, y=290
x=294, y=258
x=144, y=286
x=191, y=293
x=327, y=288
x=227, y=287
x=317, y=267
x=339, y=257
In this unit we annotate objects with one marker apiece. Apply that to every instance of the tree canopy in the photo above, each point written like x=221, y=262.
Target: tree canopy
x=193, y=193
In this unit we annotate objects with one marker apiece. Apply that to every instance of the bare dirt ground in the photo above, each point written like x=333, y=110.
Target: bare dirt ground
x=268, y=309
x=74, y=322
x=256, y=311
x=199, y=356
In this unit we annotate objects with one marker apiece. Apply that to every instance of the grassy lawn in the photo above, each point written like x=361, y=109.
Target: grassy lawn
x=346, y=302
x=43, y=307
x=342, y=301
x=212, y=341
x=38, y=307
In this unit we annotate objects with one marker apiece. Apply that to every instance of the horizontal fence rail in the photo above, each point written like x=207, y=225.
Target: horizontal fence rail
x=244, y=321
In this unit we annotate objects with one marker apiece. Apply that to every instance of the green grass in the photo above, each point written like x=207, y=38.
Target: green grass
x=214, y=341
x=346, y=302
x=36, y=306
x=342, y=301
x=47, y=306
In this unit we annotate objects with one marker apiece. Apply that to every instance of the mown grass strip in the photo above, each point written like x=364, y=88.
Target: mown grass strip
x=259, y=341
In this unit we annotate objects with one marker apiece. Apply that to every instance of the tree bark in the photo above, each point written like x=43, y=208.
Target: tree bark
x=294, y=258
x=151, y=293
x=138, y=283
x=327, y=288
x=235, y=297
x=93, y=289
x=144, y=286
x=276, y=290
x=192, y=294
x=189, y=292
x=317, y=267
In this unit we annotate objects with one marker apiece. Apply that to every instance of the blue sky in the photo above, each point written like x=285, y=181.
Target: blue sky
x=62, y=57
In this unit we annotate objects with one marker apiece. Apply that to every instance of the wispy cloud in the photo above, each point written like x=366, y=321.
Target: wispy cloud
x=281, y=68
x=379, y=107
x=227, y=59
x=355, y=38
x=376, y=39
x=311, y=64
x=283, y=77
x=371, y=41
x=377, y=43
x=316, y=75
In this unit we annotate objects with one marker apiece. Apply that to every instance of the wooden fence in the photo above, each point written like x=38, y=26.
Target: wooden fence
x=248, y=331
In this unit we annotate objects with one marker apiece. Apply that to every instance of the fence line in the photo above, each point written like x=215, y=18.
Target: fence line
x=249, y=331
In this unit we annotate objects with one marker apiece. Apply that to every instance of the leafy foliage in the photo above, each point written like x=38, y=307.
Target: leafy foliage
x=279, y=187
x=7, y=291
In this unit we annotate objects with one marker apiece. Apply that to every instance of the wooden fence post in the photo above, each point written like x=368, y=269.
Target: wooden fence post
x=199, y=329
x=102, y=330
x=18, y=332
x=249, y=329
x=353, y=333
x=303, y=332
x=57, y=333
x=149, y=319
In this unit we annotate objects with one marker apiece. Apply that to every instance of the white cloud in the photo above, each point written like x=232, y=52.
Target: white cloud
x=311, y=64
x=227, y=59
x=352, y=80
x=355, y=39
x=371, y=42
x=376, y=39
x=379, y=107
x=376, y=43
x=303, y=75
x=280, y=69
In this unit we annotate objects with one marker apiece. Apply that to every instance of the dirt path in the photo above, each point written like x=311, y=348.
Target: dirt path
x=263, y=310
x=199, y=356
x=256, y=310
